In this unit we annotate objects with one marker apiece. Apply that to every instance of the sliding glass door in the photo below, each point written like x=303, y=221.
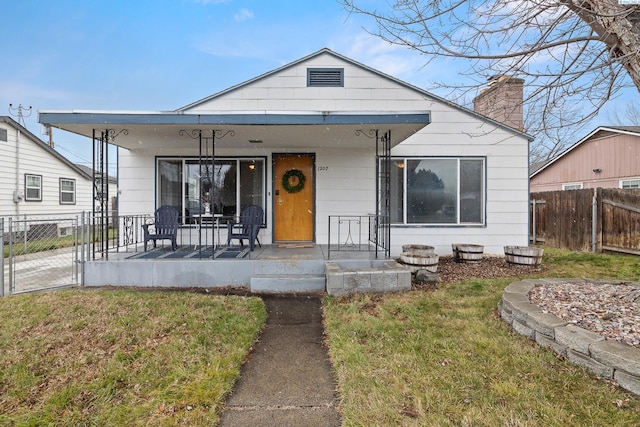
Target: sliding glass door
x=225, y=188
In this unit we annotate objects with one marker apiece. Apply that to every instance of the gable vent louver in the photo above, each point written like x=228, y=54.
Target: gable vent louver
x=325, y=77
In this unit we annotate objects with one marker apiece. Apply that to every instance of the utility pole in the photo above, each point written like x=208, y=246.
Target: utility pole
x=19, y=112
x=48, y=130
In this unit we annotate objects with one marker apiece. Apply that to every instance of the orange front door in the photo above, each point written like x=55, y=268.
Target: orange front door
x=293, y=197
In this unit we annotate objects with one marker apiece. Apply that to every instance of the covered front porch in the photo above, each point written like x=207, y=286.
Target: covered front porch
x=299, y=167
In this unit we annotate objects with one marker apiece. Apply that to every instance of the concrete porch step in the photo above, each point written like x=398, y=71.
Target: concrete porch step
x=287, y=283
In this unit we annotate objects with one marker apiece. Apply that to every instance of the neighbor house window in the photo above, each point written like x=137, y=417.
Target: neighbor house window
x=437, y=191
x=3, y=135
x=225, y=188
x=67, y=191
x=33, y=188
x=572, y=186
x=630, y=183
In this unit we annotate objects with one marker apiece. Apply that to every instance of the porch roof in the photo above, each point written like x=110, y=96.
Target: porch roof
x=274, y=129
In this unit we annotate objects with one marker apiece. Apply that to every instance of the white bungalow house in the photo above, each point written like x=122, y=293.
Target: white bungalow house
x=37, y=182
x=35, y=179
x=41, y=191
x=321, y=137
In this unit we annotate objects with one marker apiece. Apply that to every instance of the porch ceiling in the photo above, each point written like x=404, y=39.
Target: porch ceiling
x=276, y=130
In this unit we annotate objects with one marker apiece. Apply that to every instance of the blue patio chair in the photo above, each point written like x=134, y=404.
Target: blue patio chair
x=248, y=227
x=166, y=226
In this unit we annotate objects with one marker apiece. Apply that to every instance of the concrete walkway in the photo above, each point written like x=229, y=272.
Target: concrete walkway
x=288, y=380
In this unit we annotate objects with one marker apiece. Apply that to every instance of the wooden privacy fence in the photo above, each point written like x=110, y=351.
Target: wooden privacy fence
x=602, y=219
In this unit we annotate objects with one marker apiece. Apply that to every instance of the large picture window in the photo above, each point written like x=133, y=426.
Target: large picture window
x=226, y=187
x=437, y=191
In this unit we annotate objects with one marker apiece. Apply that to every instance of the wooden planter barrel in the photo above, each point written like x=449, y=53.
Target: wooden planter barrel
x=463, y=252
x=418, y=249
x=427, y=262
x=523, y=255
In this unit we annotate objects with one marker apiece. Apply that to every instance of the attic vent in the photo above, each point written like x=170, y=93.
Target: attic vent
x=3, y=135
x=325, y=77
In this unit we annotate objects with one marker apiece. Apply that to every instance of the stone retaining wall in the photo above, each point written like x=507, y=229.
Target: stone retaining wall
x=608, y=359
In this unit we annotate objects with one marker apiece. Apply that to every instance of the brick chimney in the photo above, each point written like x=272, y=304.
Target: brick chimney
x=502, y=101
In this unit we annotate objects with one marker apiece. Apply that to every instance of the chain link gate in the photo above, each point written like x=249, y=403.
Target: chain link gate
x=39, y=253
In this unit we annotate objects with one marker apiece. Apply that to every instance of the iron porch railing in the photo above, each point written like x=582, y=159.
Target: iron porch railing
x=358, y=233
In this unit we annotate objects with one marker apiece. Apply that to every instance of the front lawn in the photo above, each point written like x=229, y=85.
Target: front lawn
x=444, y=358
x=122, y=357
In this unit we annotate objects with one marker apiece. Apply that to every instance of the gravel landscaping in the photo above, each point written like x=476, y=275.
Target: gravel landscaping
x=610, y=309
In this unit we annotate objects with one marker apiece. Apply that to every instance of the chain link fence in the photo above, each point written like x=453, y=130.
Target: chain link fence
x=47, y=252
x=39, y=253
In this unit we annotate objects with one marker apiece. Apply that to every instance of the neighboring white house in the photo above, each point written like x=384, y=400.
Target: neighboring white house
x=455, y=176
x=37, y=180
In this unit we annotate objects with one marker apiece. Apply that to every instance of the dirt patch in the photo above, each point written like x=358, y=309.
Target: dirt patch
x=450, y=271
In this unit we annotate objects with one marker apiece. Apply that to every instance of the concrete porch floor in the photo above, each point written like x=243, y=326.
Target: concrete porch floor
x=274, y=268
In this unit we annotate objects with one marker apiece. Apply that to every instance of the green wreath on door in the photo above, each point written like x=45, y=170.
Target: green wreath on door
x=286, y=181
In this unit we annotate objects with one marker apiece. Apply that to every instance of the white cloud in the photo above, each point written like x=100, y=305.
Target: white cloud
x=391, y=59
x=243, y=15
x=264, y=43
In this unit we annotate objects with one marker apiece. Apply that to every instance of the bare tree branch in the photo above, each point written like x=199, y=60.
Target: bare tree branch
x=575, y=55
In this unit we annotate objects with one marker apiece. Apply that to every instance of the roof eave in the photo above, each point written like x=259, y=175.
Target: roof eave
x=104, y=118
x=585, y=138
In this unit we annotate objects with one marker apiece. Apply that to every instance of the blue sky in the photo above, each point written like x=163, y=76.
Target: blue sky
x=164, y=54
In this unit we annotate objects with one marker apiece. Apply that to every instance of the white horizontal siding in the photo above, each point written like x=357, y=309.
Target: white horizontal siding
x=456, y=133
x=21, y=155
x=346, y=187
x=345, y=184
x=136, y=174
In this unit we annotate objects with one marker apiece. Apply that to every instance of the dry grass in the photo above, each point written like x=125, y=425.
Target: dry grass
x=443, y=357
x=427, y=357
x=121, y=357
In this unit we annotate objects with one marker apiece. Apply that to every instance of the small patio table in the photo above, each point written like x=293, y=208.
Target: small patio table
x=215, y=220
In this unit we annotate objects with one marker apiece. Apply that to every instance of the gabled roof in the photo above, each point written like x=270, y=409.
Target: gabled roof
x=89, y=172
x=24, y=131
x=627, y=130
x=146, y=126
x=362, y=66
x=534, y=167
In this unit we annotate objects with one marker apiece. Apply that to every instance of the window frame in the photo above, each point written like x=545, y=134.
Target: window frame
x=403, y=160
x=27, y=188
x=73, y=193
x=184, y=160
x=627, y=180
x=572, y=186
